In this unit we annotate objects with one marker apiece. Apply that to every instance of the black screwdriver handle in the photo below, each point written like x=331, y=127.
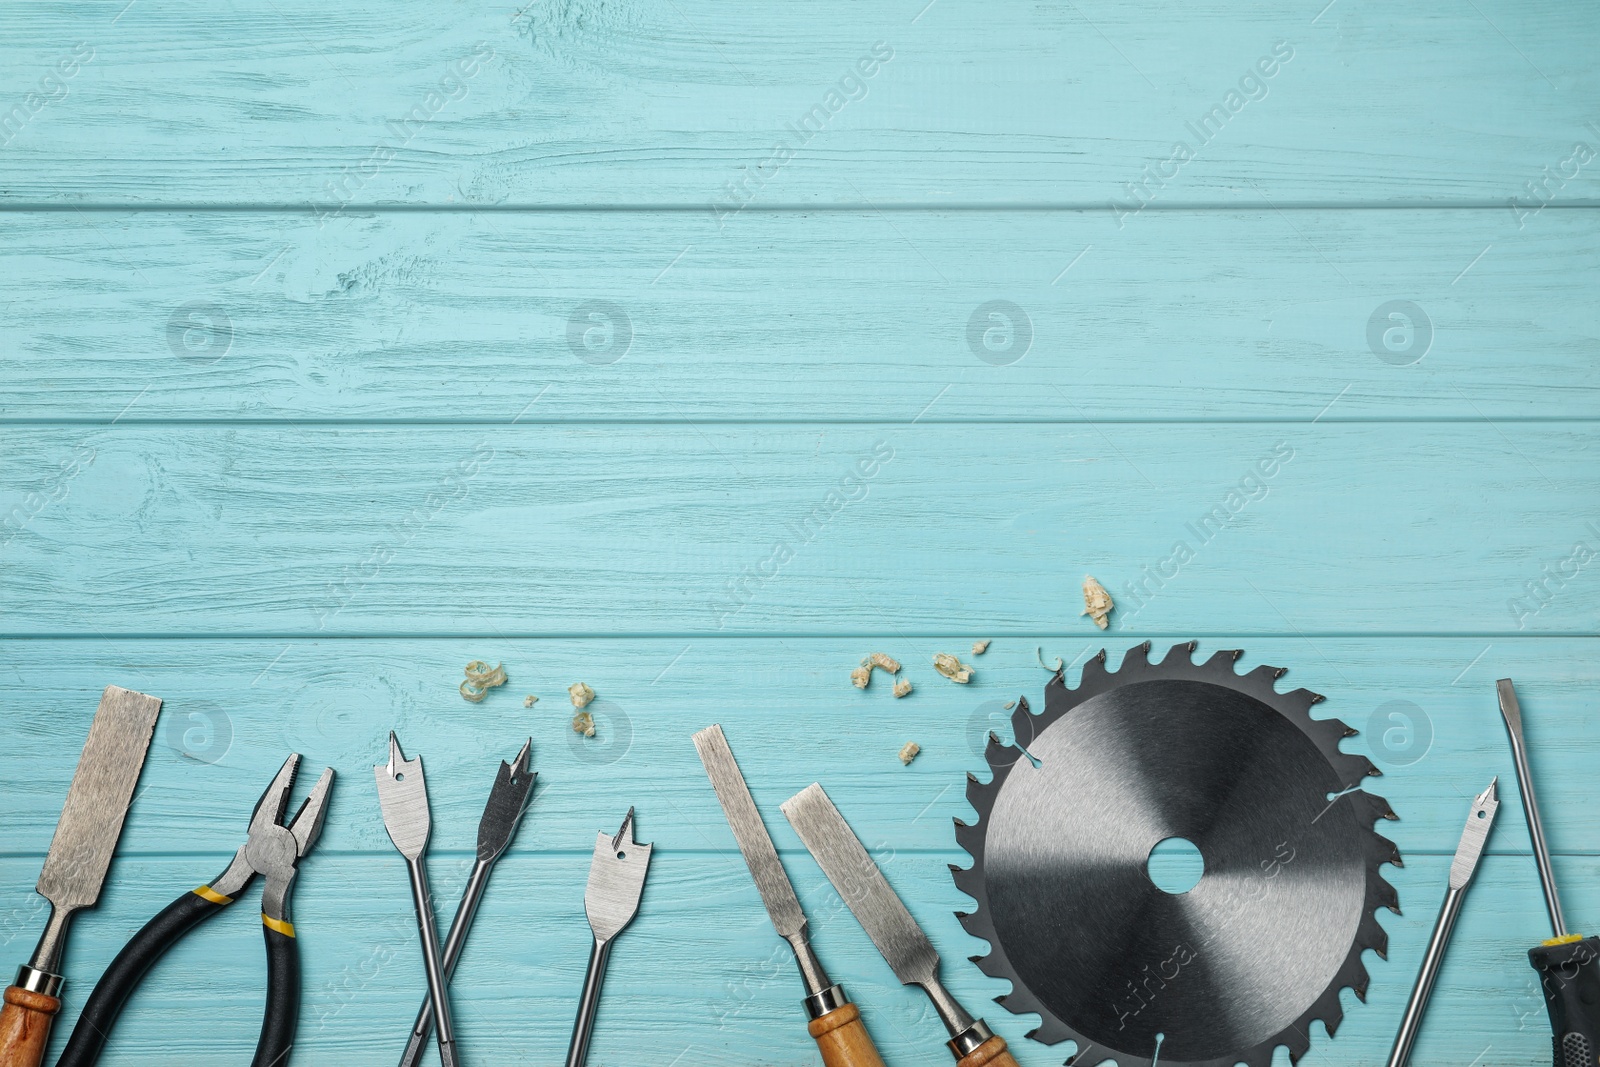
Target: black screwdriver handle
x=141, y=952
x=283, y=994
x=1569, y=972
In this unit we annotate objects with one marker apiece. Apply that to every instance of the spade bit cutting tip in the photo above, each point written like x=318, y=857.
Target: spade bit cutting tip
x=508, y=802
x=616, y=880
x=1468, y=852
x=403, y=796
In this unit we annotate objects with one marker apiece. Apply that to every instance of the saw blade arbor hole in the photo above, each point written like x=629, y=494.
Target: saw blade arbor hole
x=1175, y=865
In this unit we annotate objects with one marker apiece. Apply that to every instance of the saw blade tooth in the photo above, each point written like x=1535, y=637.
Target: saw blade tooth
x=1222, y=661
x=1334, y=1016
x=968, y=837
x=1136, y=657
x=1376, y=936
x=1178, y=655
x=1263, y=677
x=1094, y=670
x=1387, y=895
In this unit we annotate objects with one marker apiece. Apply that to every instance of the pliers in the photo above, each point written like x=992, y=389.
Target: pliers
x=273, y=850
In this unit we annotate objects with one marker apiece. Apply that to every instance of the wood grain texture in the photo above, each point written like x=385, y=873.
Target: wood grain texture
x=688, y=529
x=842, y=1039
x=853, y=316
x=629, y=102
x=1425, y=708
x=302, y=407
x=25, y=1026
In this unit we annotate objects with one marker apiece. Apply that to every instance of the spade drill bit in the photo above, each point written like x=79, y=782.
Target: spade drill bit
x=403, y=795
x=616, y=880
x=508, y=802
x=1473, y=836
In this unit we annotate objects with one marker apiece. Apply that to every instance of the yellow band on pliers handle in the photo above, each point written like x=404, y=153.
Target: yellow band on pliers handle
x=285, y=928
x=212, y=895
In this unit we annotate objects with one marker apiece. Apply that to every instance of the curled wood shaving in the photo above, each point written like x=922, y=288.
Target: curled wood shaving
x=952, y=668
x=909, y=752
x=480, y=679
x=1096, y=602
x=980, y=647
x=902, y=687
x=1038, y=654
x=861, y=676
x=529, y=701
x=581, y=695
x=583, y=723
x=884, y=661
x=481, y=674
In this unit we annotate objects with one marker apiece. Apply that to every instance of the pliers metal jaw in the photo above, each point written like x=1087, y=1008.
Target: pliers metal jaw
x=273, y=850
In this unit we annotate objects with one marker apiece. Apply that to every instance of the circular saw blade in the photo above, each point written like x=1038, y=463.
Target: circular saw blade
x=1260, y=947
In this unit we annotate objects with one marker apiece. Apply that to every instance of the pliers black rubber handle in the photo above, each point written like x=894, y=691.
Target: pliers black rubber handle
x=152, y=942
x=272, y=850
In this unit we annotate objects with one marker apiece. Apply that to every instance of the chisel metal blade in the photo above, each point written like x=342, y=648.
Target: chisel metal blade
x=755, y=844
x=97, y=803
x=866, y=892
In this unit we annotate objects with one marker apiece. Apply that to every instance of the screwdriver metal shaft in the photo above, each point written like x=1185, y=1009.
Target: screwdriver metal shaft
x=1568, y=964
x=1511, y=711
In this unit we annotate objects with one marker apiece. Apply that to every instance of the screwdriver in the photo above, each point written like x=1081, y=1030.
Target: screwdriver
x=1567, y=963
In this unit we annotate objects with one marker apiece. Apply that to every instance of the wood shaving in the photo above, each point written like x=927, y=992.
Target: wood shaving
x=952, y=668
x=480, y=679
x=884, y=661
x=1038, y=654
x=980, y=647
x=909, y=752
x=1009, y=706
x=529, y=701
x=1096, y=602
x=581, y=695
x=902, y=687
x=861, y=676
x=583, y=723
x=481, y=674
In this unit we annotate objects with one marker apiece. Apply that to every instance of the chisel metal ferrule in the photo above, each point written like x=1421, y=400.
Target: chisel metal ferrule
x=824, y=1001
x=967, y=1041
x=36, y=981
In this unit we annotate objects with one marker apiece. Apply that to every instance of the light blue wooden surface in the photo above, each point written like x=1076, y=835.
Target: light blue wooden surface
x=295, y=422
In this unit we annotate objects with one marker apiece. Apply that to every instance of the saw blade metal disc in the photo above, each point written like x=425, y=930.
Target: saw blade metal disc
x=1275, y=926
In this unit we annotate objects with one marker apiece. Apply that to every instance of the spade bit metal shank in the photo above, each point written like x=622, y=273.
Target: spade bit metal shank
x=1462, y=867
x=616, y=880
x=508, y=802
x=403, y=794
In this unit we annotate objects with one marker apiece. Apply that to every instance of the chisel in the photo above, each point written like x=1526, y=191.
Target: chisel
x=835, y=1023
x=75, y=867
x=883, y=915
x=1567, y=963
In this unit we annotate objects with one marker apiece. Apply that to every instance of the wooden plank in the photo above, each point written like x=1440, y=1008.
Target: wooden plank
x=1455, y=528
x=1425, y=708
x=591, y=103
x=826, y=317
x=700, y=969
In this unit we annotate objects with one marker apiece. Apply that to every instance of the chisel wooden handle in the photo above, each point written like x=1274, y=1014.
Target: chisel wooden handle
x=992, y=1053
x=25, y=1026
x=843, y=1040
